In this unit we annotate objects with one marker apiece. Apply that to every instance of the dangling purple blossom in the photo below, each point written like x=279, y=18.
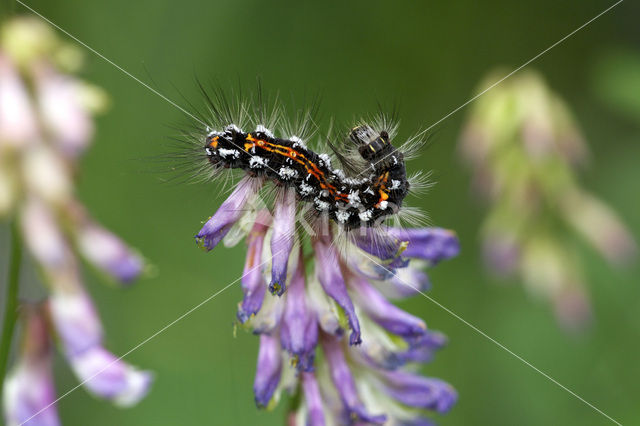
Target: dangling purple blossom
x=268, y=370
x=253, y=282
x=29, y=391
x=43, y=131
x=299, y=329
x=228, y=214
x=430, y=244
x=282, y=240
x=344, y=383
x=330, y=277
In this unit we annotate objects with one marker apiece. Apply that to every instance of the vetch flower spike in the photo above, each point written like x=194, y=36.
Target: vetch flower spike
x=328, y=334
x=524, y=149
x=43, y=131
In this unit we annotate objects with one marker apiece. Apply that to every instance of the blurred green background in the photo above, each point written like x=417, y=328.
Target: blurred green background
x=426, y=56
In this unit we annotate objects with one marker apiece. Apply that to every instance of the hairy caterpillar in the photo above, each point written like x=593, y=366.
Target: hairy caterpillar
x=369, y=185
x=352, y=202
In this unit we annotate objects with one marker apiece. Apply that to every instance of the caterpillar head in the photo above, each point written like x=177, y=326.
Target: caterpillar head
x=371, y=144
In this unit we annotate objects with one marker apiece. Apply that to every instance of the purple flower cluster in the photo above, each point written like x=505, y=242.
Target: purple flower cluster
x=524, y=150
x=45, y=124
x=323, y=289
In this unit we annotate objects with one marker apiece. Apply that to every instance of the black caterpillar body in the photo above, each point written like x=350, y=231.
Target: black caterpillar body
x=352, y=202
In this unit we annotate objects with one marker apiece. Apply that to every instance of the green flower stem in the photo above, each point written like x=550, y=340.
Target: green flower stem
x=11, y=304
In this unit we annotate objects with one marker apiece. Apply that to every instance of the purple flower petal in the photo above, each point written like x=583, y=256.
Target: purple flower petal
x=18, y=125
x=432, y=244
x=344, y=383
x=405, y=282
x=501, y=252
x=313, y=400
x=299, y=329
x=68, y=122
x=253, y=283
x=75, y=320
x=109, y=377
x=282, y=240
x=387, y=315
x=29, y=392
x=330, y=277
x=108, y=253
x=423, y=348
x=268, y=317
x=268, y=370
x=420, y=392
x=229, y=212
x=43, y=236
x=384, y=246
x=323, y=308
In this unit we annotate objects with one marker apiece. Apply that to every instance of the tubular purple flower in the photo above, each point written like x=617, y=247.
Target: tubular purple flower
x=501, y=252
x=384, y=246
x=268, y=370
x=62, y=111
x=330, y=277
x=323, y=308
x=313, y=399
x=42, y=235
x=283, y=238
x=108, y=253
x=387, y=315
x=229, y=213
x=299, y=326
x=431, y=244
x=397, y=286
x=80, y=333
x=75, y=320
x=253, y=283
x=420, y=392
x=423, y=348
x=17, y=120
x=344, y=383
x=106, y=376
x=268, y=317
x=29, y=390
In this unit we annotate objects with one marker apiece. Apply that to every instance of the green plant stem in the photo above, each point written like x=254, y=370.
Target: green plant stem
x=11, y=304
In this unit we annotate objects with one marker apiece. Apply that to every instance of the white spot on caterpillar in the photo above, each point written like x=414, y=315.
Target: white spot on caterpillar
x=383, y=205
x=365, y=216
x=321, y=205
x=233, y=128
x=340, y=174
x=306, y=189
x=213, y=133
x=354, y=197
x=326, y=159
x=208, y=151
x=297, y=142
x=342, y=216
x=256, y=162
x=395, y=160
x=224, y=153
x=262, y=129
x=352, y=181
x=369, y=191
x=395, y=184
x=287, y=173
